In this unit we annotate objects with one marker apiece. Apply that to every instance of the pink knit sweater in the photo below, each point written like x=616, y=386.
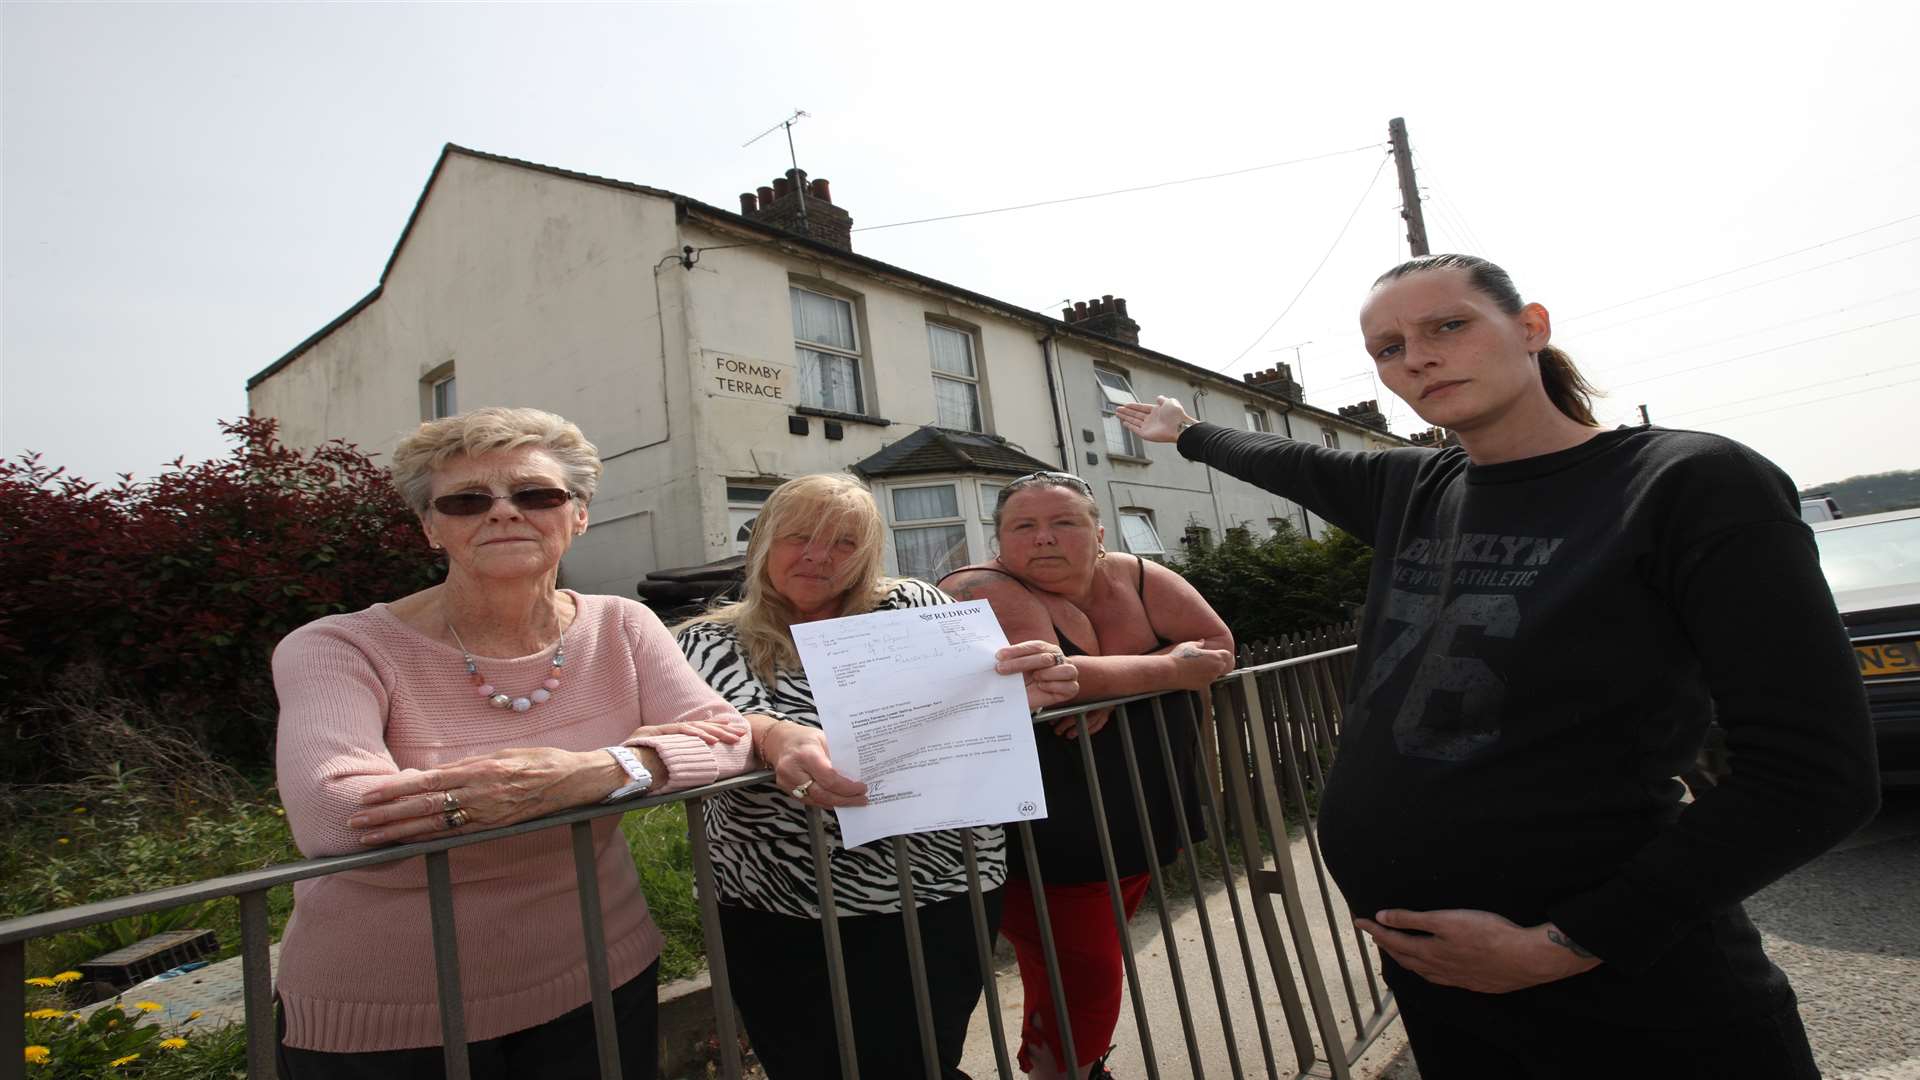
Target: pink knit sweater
x=364, y=697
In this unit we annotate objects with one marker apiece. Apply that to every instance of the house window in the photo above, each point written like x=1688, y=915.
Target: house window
x=1115, y=390
x=1198, y=538
x=743, y=509
x=989, y=498
x=956, y=379
x=445, y=399
x=1137, y=531
x=929, y=535
x=1331, y=438
x=1257, y=419
x=826, y=349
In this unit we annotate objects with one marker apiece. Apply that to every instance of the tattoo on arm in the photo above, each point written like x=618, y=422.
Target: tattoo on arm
x=1554, y=935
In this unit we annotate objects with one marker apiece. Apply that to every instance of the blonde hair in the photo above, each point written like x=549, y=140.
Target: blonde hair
x=484, y=431
x=823, y=504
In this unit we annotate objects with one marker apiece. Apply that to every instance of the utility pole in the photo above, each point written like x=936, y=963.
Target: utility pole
x=1409, y=191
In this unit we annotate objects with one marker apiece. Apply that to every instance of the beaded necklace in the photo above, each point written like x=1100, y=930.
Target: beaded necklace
x=507, y=701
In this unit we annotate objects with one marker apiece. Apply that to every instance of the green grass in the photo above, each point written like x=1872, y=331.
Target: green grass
x=121, y=839
x=658, y=837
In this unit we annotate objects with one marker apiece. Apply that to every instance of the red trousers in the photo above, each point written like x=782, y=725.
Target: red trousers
x=1088, y=945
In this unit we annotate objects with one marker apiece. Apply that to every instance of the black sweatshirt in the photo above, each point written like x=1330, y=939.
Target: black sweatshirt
x=1544, y=643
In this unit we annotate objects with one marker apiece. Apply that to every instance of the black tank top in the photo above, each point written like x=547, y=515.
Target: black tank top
x=1066, y=841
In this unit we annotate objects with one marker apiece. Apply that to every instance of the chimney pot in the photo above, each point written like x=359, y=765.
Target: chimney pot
x=819, y=190
x=1079, y=309
x=1120, y=305
x=1066, y=314
x=766, y=198
x=782, y=187
x=1107, y=300
x=748, y=204
x=797, y=177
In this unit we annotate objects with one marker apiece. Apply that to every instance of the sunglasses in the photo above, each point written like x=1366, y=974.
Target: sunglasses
x=1045, y=477
x=469, y=503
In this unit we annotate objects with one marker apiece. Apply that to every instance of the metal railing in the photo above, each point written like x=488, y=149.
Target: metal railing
x=1266, y=737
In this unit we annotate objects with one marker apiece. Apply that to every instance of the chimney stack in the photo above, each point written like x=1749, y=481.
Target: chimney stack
x=1106, y=316
x=781, y=204
x=1366, y=414
x=1279, y=379
x=1435, y=438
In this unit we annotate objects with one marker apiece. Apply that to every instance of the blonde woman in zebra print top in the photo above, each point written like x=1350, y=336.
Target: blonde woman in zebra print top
x=816, y=553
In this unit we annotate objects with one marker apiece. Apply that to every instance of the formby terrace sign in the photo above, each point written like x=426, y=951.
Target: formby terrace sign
x=755, y=380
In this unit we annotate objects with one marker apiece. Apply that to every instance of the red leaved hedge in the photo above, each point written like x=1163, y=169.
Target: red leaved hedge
x=182, y=585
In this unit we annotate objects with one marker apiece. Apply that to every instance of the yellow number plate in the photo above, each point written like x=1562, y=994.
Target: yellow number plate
x=1888, y=659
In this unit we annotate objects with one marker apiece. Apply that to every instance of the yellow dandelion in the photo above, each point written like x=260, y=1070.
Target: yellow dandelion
x=278, y=812
x=195, y=1015
x=67, y=977
x=148, y=1006
x=174, y=1043
x=45, y=1014
x=63, y=841
x=38, y=1055
x=119, y=1061
x=111, y=1024
x=39, y=980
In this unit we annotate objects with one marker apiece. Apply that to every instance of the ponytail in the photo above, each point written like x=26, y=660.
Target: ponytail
x=1569, y=390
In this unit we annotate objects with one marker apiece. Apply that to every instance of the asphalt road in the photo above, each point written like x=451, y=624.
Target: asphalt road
x=1846, y=929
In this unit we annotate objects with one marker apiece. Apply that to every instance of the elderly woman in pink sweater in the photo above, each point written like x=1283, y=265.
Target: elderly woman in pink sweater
x=492, y=698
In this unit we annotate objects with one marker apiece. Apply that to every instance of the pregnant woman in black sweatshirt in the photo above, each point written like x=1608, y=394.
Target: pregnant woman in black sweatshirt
x=1555, y=613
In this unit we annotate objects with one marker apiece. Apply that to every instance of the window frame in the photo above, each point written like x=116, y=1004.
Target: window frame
x=896, y=526
x=863, y=405
x=1256, y=420
x=1330, y=438
x=976, y=381
x=1144, y=515
x=1131, y=444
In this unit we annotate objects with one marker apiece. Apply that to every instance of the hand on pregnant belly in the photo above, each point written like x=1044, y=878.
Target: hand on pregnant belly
x=1476, y=950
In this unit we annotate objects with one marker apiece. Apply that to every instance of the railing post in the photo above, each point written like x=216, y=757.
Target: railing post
x=1085, y=739
x=606, y=1031
x=256, y=982
x=446, y=965
x=983, y=945
x=916, y=957
x=1145, y=820
x=1051, y=956
x=1290, y=889
x=709, y=898
x=1227, y=694
x=830, y=935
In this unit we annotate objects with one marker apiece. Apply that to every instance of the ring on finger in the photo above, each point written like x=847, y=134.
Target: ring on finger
x=1059, y=658
x=454, y=818
x=801, y=791
x=448, y=802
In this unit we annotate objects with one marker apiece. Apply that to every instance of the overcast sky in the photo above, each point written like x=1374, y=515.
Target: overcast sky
x=186, y=192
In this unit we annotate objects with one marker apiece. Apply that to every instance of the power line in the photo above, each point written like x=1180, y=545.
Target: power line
x=1744, y=288
x=1748, y=266
x=1774, y=349
x=1317, y=266
x=1123, y=191
x=1789, y=390
x=1814, y=401
x=1761, y=330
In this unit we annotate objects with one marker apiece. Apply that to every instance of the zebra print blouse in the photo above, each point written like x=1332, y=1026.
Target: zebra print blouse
x=762, y=858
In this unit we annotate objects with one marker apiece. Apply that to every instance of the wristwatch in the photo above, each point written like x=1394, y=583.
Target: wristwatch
x=639, y=779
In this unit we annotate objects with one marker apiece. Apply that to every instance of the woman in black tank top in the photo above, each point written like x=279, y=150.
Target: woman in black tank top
x=1132, y=628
